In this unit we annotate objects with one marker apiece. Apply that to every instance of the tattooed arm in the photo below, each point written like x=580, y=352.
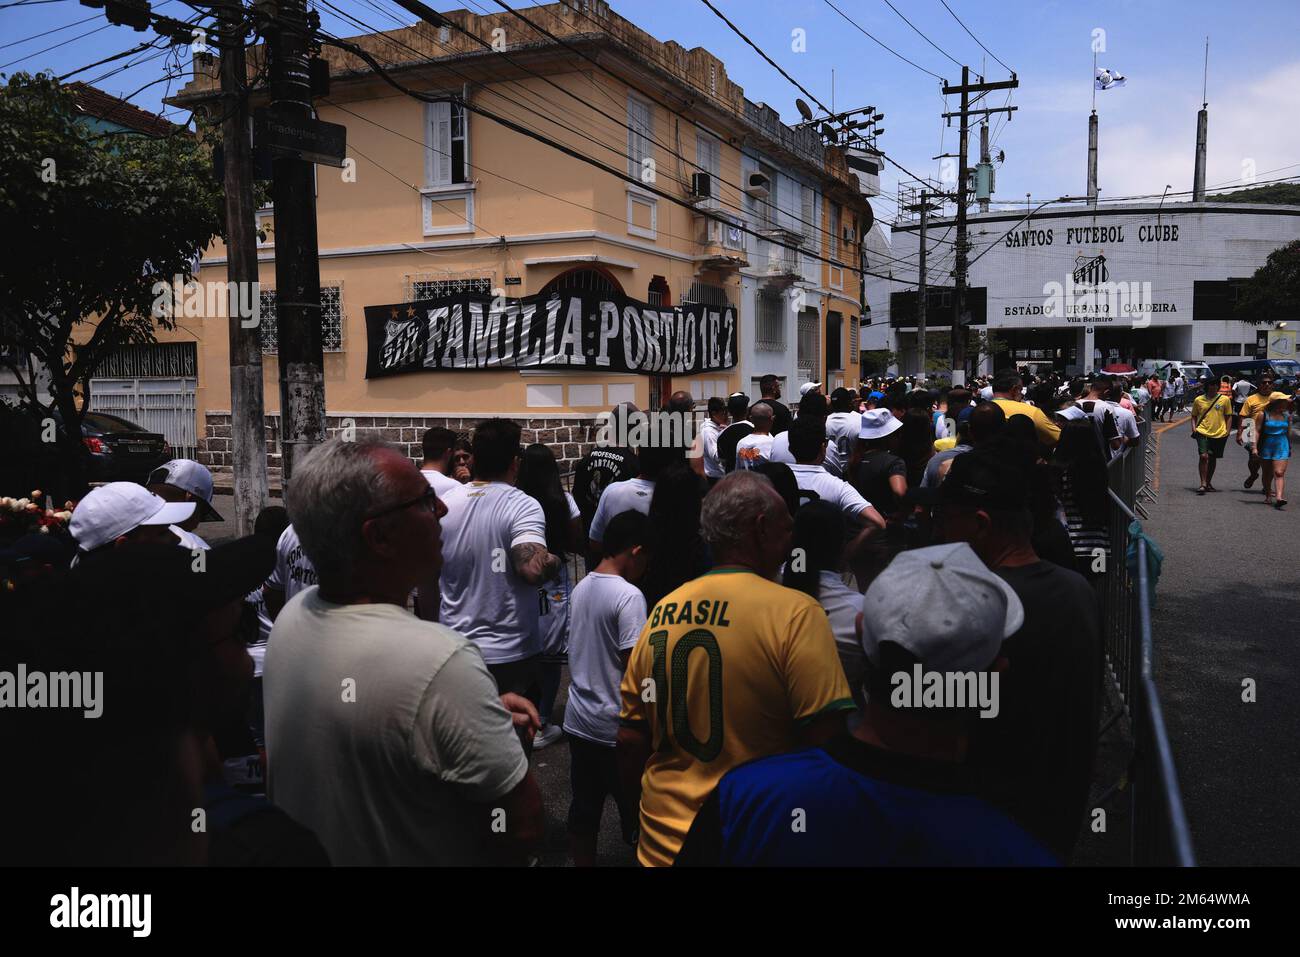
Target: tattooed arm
x=533, y=563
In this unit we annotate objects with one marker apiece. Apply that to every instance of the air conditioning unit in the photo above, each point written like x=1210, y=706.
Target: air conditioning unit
x=849, y=235
x=701, y=185
x=759, y=186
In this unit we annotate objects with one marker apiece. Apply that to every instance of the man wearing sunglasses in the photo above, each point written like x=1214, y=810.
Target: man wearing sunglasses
x=386, y=734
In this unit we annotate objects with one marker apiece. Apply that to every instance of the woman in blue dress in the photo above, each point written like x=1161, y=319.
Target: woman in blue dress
x=1273, y=444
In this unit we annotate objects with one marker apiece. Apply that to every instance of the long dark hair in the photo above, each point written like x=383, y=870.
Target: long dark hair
x=679, y=553
x=539, y=476
x=916, y=444
x=1079, y=456
x=819, y=532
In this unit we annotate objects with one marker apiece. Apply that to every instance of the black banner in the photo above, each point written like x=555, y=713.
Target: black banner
x=584, y=331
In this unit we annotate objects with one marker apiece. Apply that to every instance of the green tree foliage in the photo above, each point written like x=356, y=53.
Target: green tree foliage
x=95, y=219
x=1272, y=294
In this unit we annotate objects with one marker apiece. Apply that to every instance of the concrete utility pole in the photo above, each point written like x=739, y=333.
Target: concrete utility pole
x=297, y=258
x=959, y=300
x=1092, y=159
x=247, y=421
x=922, y=290
x=985, y=161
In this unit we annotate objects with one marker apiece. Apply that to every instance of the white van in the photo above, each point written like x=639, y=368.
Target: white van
x=1192, y=371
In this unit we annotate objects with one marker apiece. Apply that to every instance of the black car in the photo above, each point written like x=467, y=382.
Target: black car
x=120, y=450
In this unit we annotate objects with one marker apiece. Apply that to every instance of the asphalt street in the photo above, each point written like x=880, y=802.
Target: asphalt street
x=1224, y=618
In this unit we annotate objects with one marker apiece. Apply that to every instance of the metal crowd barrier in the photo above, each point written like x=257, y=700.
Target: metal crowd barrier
x=1159, y=832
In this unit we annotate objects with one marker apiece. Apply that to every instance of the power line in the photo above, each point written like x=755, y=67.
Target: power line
x=736, y=208
x=920, y=34
x=740, y=33
x=79, y=36
x=974, y=37
x=367, y=58
x=37, y=36
x=881, y=42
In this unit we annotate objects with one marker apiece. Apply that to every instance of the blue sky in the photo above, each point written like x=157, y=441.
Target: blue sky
x=1147, y=129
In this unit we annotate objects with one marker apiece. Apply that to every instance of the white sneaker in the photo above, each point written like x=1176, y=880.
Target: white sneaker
x=549, y=734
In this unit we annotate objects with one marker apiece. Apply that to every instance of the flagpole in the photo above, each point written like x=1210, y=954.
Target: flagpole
x=1094, y=81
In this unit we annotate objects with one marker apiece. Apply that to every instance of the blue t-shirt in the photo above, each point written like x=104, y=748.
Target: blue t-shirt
x=852, y=805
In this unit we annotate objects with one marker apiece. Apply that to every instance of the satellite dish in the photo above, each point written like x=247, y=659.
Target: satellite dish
x=828, y=131
x=804, y=109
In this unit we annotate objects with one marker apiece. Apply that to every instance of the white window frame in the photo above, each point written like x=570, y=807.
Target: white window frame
x=431, y=195
x=637, y=197
x=267, y=211
x=640, y=134
x=835, y=235
x=435, y=154
x=708, y=157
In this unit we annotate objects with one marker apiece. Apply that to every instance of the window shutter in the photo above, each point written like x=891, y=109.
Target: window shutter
x=440, y=121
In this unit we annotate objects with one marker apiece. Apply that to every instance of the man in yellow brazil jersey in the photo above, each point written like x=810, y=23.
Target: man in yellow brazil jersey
x=728, y=668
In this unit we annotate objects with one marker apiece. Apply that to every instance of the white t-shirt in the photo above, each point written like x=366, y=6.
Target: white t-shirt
x=781, y=449
x=385, y=734
x=553, y=602
x=442, y=484
x=838, y=492
x=709, y=433
x=293, y=569
x=842, y=605
x=257, y=650
x=482, y=597
x=1126, y=420
x=189, y=540
x=607, y=614
x=753, y=449
x=842, y=431
x=632, y=495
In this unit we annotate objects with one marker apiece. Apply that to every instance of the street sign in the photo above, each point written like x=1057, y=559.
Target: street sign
x=310, y=140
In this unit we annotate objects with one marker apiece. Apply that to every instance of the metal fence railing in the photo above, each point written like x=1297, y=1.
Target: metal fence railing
x=1159, y=832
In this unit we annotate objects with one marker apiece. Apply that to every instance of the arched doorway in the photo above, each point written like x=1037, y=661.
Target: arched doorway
x=592, y=278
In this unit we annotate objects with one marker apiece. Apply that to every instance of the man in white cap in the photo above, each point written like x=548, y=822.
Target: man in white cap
x=184, y=480
x=122, y=512
x=809, y=387
x=896, y=791
x=875, y=468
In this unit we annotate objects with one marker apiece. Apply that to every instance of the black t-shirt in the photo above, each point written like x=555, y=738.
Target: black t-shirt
x=872, y=478
x=597, y=469
x=728, y=441
x=1037, y=753
x=782, y=418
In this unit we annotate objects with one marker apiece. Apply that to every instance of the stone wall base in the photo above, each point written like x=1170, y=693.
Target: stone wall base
x=569, y=439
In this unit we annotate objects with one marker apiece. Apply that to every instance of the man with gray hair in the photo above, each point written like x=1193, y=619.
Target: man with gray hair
x=729, y=667
x=385, y=734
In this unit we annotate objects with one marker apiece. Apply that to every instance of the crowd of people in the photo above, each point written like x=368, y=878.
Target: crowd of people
x=363, y=680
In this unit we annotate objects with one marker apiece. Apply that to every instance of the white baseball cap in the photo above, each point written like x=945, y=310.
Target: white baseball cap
x=808, y=387
x=189, y=476
x=112, y=510
x=878, y=423
x=944, y=606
